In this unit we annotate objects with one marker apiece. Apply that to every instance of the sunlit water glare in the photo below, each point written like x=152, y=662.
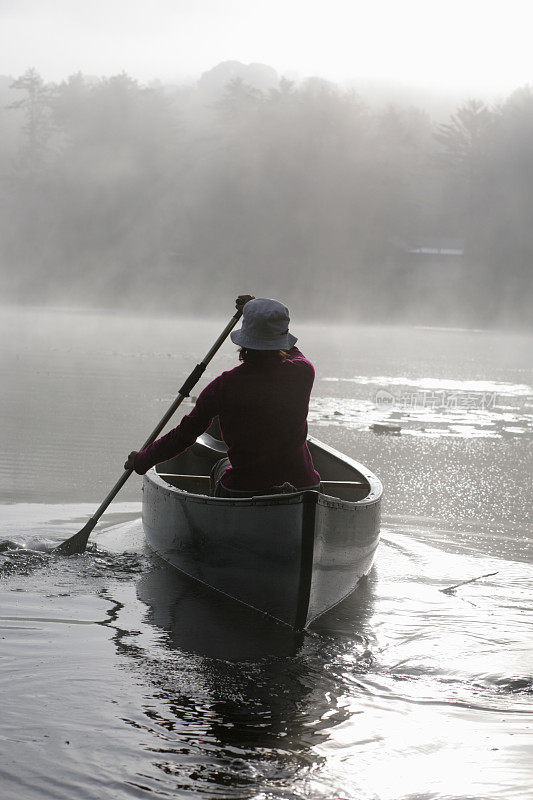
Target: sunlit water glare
x=122, y=679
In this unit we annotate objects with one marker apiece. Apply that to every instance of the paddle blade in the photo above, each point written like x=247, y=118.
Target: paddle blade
x=77, y=543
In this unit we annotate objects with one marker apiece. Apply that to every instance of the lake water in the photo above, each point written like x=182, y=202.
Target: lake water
x=121, y=679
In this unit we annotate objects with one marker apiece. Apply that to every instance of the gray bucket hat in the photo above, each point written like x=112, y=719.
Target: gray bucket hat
x=265, y=326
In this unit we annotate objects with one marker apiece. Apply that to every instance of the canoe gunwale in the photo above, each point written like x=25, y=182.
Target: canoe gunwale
x=373, y=496
x=376, y=487
x=307, y=496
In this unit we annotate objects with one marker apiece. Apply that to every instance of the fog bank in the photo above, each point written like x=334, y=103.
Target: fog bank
x=175, y=198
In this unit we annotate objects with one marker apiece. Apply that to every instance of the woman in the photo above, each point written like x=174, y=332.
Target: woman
x=262, y=407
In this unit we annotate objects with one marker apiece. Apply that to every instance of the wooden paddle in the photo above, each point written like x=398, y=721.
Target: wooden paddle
x=78, y=542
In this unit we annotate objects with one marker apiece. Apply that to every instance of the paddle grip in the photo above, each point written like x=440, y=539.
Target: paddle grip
x=192, y=380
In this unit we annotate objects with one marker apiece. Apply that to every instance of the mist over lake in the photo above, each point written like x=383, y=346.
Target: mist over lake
x=349, y=205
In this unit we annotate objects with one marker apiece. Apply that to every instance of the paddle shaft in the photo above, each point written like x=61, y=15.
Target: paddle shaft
x=77, y=542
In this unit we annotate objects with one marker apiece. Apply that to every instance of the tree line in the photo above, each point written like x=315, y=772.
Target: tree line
x=154, y=198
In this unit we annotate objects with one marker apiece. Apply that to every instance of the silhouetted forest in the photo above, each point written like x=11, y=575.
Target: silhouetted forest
x=173, y=198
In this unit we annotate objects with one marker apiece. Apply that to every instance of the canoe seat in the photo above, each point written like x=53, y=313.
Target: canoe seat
x=208, y=445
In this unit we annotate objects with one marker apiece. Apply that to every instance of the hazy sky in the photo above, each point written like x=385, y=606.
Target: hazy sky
x=478, y=45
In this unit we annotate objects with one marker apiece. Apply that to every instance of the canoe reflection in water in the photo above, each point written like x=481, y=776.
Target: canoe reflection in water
x=262, y=691
x=207, y=623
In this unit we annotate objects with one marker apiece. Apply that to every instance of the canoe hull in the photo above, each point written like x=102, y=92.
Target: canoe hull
x=290, y=556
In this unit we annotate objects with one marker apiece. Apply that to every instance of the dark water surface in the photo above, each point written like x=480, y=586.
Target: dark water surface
x=120, y=679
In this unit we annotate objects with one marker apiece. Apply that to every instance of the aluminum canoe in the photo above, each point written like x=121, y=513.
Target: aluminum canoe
x=291, y=556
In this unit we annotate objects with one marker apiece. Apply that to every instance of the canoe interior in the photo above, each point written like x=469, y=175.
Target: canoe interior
x=190, y=470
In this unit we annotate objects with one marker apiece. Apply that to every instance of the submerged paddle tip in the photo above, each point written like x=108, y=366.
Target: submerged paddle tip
x=77, y=543
x=69, y=548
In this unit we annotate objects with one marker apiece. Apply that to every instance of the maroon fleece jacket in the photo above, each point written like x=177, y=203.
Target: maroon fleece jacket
x=262, y=409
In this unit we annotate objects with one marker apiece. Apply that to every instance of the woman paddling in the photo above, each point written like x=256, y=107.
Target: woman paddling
x=262, y=407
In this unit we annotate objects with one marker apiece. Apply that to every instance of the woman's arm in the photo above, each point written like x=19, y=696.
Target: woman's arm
x=183, y=436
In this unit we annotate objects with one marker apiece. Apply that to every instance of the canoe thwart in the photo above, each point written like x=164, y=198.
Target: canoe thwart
x=191, y=478
x=206, y=479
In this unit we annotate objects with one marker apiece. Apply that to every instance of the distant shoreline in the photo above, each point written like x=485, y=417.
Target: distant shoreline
x=210, y=315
